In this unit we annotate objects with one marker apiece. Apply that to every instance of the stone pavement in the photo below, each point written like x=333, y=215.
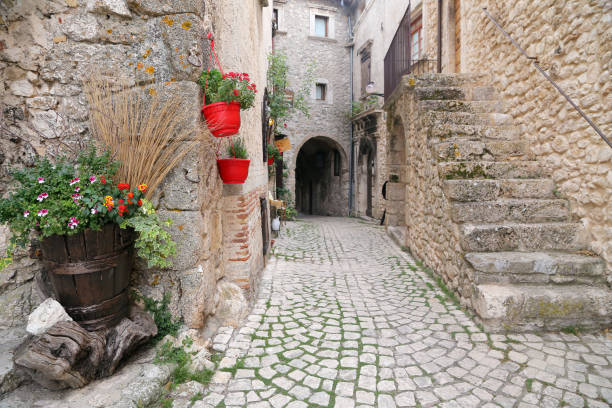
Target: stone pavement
x=344, y=318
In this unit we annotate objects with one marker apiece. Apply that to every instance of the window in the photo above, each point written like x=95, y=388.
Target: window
x=366, y=68
x=321, y=26
x=336, y=163
x=416, y=40
x=275, y=20
x=321, y=92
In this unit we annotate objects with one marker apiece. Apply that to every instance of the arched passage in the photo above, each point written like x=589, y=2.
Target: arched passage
x=321, y=178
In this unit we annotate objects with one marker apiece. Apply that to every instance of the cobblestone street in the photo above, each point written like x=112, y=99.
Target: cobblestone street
x=344, y=318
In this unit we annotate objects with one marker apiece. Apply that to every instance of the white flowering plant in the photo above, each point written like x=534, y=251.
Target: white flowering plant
x=64, y=198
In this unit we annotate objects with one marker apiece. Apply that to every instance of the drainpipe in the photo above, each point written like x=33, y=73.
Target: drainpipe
x=352, y=159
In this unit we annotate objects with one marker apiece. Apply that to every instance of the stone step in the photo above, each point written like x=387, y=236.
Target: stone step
x=459, y=79
x=489, y=190
x=513, y=210
x=436, y=118
x=465, y=93
x=542, y=307
x=536, y=267
x=555, y=236
x=476, y=150
x=462, y=106
x=490, y=170
x=452, y=131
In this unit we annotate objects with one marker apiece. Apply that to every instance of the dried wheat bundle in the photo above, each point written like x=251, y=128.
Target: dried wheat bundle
x=148, y=135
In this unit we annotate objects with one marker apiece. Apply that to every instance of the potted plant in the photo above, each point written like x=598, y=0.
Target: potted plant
x=273, y=154
x=234, y=170
x=88, y=227
x=224, y=96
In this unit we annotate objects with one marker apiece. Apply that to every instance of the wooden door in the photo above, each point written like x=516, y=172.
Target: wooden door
x=457, y=35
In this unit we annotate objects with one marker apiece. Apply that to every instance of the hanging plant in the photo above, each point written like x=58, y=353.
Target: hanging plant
x=224, y=96
x=235, y=169
x=274, y=154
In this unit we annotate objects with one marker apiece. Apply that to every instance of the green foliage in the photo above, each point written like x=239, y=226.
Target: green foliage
x=282, y=193
x=361, y=106
x=64, y=198
x=274, y=152
x=161, y=315
x=230, y=87
x=291, y=213
x=170, y=354
x=237, y=149
x=197, y=397
x=278, y=82
x=154, y=243
x=571, y=330
x=167, y=403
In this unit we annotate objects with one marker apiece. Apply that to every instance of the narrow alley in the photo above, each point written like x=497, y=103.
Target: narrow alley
x=345, y=318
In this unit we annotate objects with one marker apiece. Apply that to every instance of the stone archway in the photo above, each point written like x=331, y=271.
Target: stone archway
x=321, y=178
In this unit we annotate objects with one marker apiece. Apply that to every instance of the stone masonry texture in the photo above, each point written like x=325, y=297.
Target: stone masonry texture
x=572, y=40
x=344, y=318
x=45, y=50
x=329, y=119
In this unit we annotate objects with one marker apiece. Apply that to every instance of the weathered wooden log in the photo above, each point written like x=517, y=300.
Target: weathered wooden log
x=68, y=356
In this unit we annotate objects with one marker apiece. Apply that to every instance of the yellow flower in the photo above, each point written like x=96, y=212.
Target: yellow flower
x=142, y=187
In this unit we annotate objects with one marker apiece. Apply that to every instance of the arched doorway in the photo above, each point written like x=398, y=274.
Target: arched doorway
x=321, y=178
x=366, y=168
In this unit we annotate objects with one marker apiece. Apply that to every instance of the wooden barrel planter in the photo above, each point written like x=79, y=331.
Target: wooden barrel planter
x=90, y=273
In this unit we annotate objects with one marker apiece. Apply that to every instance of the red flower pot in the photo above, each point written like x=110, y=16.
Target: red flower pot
x=233, y=171
x=270, y=161
x=222, y=118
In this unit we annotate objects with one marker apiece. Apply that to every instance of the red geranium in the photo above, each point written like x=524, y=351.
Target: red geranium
x=123, y=186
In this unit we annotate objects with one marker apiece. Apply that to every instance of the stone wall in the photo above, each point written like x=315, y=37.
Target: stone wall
x=370, y=133
x=573, y=42
x=46, y=47
x=245, y=50
x=431, y=234
x=328, y=118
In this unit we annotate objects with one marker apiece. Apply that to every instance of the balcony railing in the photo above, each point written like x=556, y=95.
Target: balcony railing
x=398, y=61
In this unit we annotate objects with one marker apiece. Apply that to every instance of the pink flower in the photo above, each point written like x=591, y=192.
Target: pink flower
x=74, y=181
x=26, y=213
x=76, y=197
x=43, y=212
x=77, y=189
x=42, y=196
x=41, y=180
x=73, y=223
x=94, y=210
x=92, y=179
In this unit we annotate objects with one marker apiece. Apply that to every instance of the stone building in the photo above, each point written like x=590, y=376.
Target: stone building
x=319, y=159
x=507, y=188
x=46, y=47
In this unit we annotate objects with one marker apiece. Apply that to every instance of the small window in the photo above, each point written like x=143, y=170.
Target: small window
x=321, y=26
x=416, y=40
x=366, y=68
x=275, y=20
x=321, y=92
x=336, y=163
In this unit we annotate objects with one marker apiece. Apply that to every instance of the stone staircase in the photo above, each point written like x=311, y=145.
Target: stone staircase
x=529, y=259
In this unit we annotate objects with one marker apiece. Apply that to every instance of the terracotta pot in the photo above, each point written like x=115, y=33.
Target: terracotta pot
x=90, y=273
x=222, y=118
x=233, y=171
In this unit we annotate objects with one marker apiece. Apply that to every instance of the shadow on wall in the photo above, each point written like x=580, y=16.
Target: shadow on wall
x=321, y=178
